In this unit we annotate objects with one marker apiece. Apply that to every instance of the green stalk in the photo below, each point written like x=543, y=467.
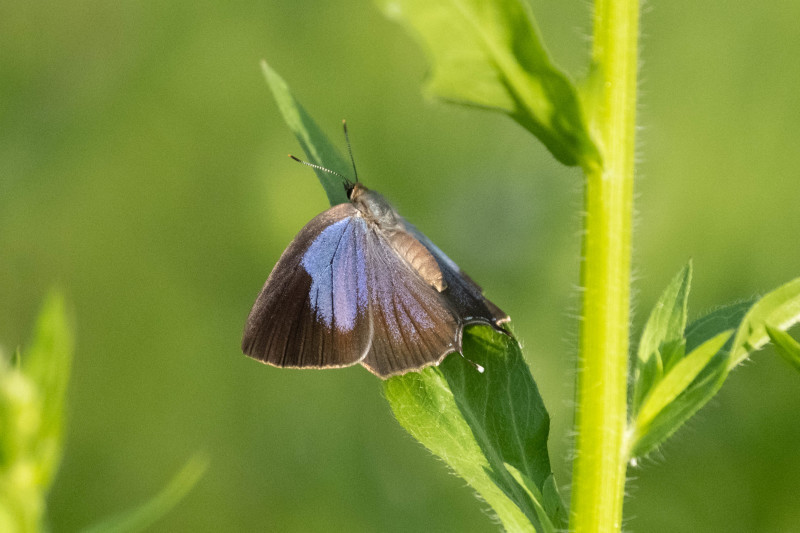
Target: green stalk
x=598, y=481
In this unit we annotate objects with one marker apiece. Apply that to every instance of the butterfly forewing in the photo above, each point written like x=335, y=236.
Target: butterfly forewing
x=313, y=309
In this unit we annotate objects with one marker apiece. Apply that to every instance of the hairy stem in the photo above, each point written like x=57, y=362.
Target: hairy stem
x=598, y=481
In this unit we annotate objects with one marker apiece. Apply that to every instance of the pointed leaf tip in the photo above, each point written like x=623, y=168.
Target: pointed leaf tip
x=779, y=308
x=786, y=346
x=318, y=148
x=662, y=342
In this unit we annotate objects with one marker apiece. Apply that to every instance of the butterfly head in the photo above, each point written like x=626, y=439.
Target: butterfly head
x=355, y=191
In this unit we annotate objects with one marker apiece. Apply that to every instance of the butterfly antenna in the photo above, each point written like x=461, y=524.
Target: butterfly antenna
x=349, y=150
x=312, y=165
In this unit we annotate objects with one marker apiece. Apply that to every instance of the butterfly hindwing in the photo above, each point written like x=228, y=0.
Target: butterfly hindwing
x=464, y=295
x=313, y=309
x=413, y=324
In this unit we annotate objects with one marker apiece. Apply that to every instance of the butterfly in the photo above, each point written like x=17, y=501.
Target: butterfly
x=360, y=284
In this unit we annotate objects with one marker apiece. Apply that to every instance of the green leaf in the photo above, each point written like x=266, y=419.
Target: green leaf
x=536, y=497
x=715, y=322
x=661, y=344
x=319, y=150
x=479, y=423
x=144, y=516
x=646, y=375
x=668, y=318
x=780, y=309
x=715, y=353
x=33, y=389
x=48, y=363
x=682, y=392
x=786, y=346
x=553, y=504
x=488, y=53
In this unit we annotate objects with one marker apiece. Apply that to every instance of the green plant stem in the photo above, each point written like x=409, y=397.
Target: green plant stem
x=598, y=481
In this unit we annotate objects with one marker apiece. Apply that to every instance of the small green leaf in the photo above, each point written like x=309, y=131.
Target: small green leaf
x=144, y=516
x=477, y=423
x=319, y=150
x=786, y=346
x=672, y=352
x=715, y=322
x=646, y=375
x=755, y=323
x=668, y=318
x=488, y=53
x=661, y=344
x=682, y=392
x=780, y=309
x=679, y=378
x=549, y=505
x=553, y=504
x=536, y=497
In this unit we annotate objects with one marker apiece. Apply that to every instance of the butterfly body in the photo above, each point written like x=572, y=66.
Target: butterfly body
x=359, y=284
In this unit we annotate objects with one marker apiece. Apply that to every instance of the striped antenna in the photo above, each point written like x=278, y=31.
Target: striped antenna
x=312, y=165
x=349, y=150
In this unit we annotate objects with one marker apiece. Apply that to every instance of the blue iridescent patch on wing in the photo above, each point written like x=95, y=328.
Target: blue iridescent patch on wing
x=335, y=262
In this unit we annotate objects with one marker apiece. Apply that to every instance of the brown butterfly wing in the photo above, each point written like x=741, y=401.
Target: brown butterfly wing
x=414, y=326
x=313, y=309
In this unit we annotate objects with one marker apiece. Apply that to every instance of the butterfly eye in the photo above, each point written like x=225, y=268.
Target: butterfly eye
x=348, y=188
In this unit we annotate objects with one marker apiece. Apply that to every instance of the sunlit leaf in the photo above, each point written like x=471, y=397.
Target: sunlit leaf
x=780, y=309
x=48, y=363
x=682, y=392
x=786, y=346
x=646, y=375
x=488, y=53
x=712, y=354
x=536, y=497
x=661, y=344
x=679, y=378
x=478, y=423
x=319, y=150
x=667, y=320
x=33, y=390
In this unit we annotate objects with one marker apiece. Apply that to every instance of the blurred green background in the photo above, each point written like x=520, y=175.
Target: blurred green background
x=143, y=169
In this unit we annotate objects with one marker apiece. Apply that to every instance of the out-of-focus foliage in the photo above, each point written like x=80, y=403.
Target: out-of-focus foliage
x=33, y=391
x=143, y=167
x=146, y=515
x=33, y=387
